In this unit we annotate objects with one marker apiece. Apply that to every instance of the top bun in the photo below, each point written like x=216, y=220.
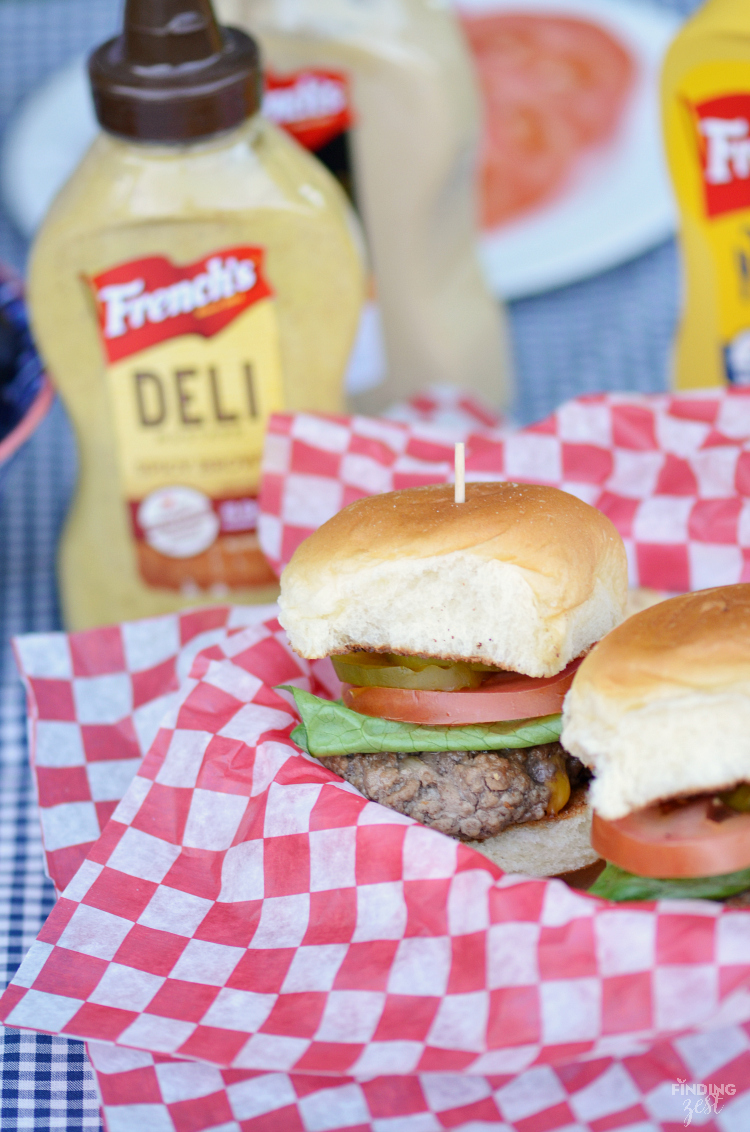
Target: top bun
x=661, y=707
x=519, y=576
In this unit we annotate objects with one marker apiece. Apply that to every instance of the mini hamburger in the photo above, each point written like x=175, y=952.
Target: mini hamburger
x=660, y=712
x=456, y=629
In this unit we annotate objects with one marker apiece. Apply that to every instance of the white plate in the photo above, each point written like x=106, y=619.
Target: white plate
x=44, y=142
x=618, y=201
x=617, y=204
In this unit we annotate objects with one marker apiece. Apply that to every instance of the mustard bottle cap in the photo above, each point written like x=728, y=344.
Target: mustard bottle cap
x=174, y=74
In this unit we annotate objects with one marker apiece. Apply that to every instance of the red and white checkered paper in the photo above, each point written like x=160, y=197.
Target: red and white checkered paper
x=325, y=963
x=672, y=472
x=95, y=702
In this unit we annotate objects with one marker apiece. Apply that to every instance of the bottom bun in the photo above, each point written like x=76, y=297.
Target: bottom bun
x=545, y=848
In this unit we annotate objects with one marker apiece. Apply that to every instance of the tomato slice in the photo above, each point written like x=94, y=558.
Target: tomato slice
x=508, y=695
x=551, y=85
x=693, y=839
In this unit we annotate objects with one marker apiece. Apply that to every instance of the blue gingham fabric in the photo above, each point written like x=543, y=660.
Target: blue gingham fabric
x=611, y=332
x=46, y=1082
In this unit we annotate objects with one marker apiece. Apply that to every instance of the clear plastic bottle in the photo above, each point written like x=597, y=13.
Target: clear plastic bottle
x=198, y=271
x=413, y=136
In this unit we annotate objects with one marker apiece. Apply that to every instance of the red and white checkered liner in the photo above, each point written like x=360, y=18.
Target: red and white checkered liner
x=247, y=911
x=333, y=965
x=95, y=702
x=638, y=1094
x=672, y=472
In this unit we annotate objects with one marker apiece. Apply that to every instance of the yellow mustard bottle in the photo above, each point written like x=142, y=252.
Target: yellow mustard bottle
x=706, y=118
x=198, y=271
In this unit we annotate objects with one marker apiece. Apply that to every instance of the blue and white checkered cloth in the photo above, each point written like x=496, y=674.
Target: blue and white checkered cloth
x=611, y=332
x=46, y=1082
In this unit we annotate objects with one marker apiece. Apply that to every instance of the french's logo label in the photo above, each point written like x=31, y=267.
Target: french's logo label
x=313, y=106
x=723, y=128
x=147, y=301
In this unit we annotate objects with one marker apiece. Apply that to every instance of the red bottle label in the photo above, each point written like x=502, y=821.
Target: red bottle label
x=147, y=301
x=723, y=131
x=313, y=106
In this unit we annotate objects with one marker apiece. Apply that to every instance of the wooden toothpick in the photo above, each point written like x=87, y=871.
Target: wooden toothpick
x=460, y=480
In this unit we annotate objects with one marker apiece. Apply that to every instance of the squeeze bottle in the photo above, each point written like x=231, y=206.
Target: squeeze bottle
x=706, y=114
x=411, y=147
x=198, y=271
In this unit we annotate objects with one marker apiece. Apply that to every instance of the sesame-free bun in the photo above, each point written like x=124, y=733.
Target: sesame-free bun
x=519, y=576
x=661, y=707
x=545, y=848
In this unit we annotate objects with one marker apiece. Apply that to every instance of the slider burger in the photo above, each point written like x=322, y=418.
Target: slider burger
x=660, y=711
x=455, y=629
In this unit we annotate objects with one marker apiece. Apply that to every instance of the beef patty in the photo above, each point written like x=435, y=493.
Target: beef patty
x=471, y=795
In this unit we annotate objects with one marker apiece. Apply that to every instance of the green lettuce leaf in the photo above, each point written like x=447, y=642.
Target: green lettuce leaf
x=615, y=884
x=331, y=729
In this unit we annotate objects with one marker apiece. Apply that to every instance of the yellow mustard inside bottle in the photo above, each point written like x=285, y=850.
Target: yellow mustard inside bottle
x=198, y=272
x=706, y=116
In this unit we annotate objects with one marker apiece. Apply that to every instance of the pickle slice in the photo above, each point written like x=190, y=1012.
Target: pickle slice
x=417, y=663
x=738, y=798
x=379, y=670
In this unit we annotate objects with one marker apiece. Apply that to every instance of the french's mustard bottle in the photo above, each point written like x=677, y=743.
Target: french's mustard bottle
x=199, y=271
x=706, y=116
x=385, y=92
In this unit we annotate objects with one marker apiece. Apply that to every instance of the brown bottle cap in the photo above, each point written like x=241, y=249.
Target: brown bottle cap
x=174, y=74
